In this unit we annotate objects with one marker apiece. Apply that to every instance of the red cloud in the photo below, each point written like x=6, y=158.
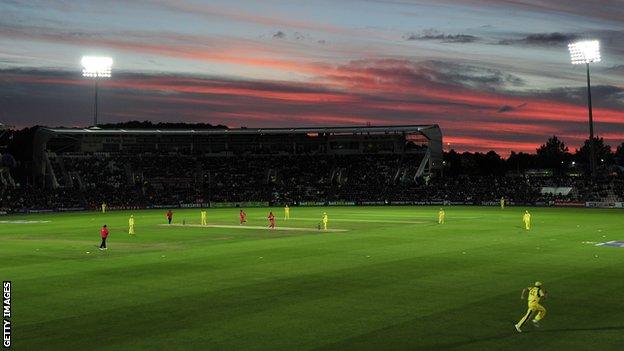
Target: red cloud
x=388, y=93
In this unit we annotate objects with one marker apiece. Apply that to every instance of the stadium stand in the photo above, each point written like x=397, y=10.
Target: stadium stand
x=81, y=168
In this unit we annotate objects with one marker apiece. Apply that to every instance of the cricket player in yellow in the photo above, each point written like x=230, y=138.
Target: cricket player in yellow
x=502, y=202
x=325, y=220
x=286, y=212
x=103, y=207
x=131, y=225
x=204, y=217
x=536, y=293
x=526, y=218
x=441, y=215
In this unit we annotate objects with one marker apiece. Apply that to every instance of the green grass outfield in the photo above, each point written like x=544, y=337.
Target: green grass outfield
x=394, y=280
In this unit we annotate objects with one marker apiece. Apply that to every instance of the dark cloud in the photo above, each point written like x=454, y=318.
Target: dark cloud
x=506, y=108
x=444, y=73
x=543, y=39
x=611, y=41
x=283, y=35
x=617, y=69
x=603, y=96
x=279, y=35
x=550, y=38
x=473, y=76
x=509, y=108
x=434, y=35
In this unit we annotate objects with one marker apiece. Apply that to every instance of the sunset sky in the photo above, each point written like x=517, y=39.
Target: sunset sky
x=493, y=74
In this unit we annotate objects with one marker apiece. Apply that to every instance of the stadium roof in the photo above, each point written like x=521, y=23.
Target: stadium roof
x=431, y=132
x=355, y=130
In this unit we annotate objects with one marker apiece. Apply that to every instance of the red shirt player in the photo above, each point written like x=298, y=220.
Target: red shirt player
x=243, y=217
x=271, y=220
x=104, y=235
x=169, y=216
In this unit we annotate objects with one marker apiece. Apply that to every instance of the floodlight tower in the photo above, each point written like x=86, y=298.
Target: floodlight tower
x=586, y=52
x=96, y=67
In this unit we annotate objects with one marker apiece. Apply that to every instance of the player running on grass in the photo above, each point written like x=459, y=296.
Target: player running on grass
x=242, y=216
x=535, y=295
x=271, y=218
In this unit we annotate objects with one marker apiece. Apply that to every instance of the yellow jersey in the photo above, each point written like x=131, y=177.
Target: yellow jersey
x=535, y=295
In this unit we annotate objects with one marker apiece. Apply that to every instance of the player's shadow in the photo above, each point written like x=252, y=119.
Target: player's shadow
x=506, y=335
x=576, y=329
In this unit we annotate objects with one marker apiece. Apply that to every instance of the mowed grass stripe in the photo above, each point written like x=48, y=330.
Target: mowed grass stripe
x=313, y=291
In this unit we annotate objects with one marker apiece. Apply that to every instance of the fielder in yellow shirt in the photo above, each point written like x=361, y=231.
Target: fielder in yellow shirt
x=502, y=202
x=131, y=225
x=204, y=217
x=526, y=218
x=286, y=212
x=325, y=220
x=536, y=293
x=441, y=215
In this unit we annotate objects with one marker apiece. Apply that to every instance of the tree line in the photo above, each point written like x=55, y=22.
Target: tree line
x=553, y=155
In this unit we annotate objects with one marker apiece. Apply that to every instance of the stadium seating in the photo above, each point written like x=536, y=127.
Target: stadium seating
x=172, y=179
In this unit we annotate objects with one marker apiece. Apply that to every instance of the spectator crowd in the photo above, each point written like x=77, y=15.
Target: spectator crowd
x=172, y=179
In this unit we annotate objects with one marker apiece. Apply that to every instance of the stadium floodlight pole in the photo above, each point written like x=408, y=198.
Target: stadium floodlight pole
x=586, y=52
x=96, y=67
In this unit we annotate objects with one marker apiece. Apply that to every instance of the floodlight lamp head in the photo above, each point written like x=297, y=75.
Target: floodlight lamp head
x=583, y=52
x=96, y=66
